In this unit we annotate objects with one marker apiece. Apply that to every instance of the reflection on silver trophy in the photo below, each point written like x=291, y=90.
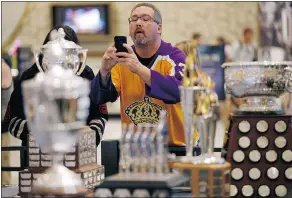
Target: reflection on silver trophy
x=259, y=84
x=62, y=52
x=189, y=96
x=56, y=107
x=207, y=126
x=144, y=151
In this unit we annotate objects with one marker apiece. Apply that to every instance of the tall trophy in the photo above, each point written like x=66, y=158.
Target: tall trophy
x=56, y=107
x=207, y=116
x=189, y=94
x=208, y=174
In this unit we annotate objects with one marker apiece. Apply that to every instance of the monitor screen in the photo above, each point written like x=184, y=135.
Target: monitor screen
x=89, y=19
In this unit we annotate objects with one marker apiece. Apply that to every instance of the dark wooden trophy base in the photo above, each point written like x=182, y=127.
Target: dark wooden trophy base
x=258, y=166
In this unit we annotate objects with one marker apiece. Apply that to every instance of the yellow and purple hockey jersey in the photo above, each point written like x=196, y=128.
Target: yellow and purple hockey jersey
x=141, y=103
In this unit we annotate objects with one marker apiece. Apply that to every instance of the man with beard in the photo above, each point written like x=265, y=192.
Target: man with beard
x=147, y=78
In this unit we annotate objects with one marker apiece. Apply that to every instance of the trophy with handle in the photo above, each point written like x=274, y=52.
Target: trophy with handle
x=56, y=107
x=62, y=52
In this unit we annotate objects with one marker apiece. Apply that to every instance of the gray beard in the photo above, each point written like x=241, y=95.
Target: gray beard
x=143, y=41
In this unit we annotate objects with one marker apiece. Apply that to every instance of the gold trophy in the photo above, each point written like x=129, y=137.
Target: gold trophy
x=189, y=97
x=201, y=112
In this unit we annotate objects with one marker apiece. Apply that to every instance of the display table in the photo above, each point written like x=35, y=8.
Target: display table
x=12, y=191
x=110, y=160
x=9, y=191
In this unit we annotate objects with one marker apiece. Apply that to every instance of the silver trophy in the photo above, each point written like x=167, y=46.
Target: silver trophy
x=207, y=126
x=200, y=110
x=189, y=96
x=190, y=90
x=259, y=84
x=56, y=107
x=62, y=52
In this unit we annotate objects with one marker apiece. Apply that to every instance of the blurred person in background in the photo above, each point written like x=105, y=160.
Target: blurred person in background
x=6, y=87
x=196, y=39
x=221, y=41
x=6, y=90
x=244, y=50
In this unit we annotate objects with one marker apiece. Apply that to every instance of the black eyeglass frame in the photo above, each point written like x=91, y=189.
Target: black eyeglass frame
x=141, y=17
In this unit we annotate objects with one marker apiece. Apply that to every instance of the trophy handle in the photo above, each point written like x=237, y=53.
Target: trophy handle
x=36, y=58
x=288, y=79
x=84, y=52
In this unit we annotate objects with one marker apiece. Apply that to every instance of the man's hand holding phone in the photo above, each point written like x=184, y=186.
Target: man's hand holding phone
x=121, y=53
x=129, y=59
x=109, y=59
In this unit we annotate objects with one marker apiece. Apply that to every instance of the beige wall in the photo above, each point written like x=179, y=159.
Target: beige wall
x=180, y=20
x=211, y=19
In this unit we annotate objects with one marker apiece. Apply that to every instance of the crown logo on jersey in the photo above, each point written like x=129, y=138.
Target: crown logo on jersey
x=144, y=112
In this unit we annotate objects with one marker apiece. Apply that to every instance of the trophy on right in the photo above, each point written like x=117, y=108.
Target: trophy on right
x=259, y=145
x=259, y=84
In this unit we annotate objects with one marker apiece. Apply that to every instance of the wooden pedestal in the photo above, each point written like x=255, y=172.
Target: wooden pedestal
x=207, y=180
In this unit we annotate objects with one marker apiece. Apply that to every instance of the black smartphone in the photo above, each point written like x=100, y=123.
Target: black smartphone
x=119, y=41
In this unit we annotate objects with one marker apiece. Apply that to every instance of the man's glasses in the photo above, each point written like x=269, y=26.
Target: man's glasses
x=144, y=18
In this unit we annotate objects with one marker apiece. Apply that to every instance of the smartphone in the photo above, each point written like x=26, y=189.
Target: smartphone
x=119, y=41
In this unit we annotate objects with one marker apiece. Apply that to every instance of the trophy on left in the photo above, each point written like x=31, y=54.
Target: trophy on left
x=56, y=107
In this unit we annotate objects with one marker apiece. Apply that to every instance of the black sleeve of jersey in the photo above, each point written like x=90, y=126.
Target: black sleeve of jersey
x=100, y=94
x=14, y=120
x=98, y=115
x=97, y=119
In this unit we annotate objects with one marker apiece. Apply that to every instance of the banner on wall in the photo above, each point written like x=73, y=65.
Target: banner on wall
x=275, y=22
x=211, y=59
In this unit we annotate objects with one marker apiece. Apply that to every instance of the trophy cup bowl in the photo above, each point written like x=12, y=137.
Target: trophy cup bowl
x=62, y=52
x=56, y=107
x=188, y=100
x=259, y=83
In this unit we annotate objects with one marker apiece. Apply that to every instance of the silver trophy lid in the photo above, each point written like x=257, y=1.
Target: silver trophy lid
x=58, y=38
x=63, y=83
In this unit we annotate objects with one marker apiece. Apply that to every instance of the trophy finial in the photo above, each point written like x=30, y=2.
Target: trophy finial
x=54, y=35
x=61, y=33
x=191, y=74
